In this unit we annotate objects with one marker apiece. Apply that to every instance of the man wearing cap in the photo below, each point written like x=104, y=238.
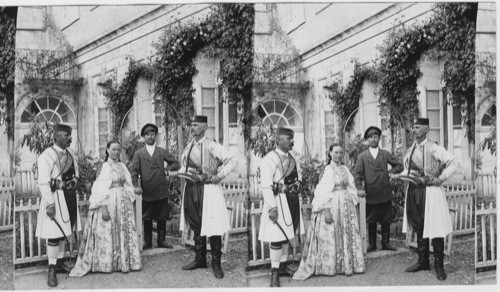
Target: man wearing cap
x=149, y=164
x=426, y=208
x=57, y=172
x=279, y=176
x=372, y=169
x=203, y=206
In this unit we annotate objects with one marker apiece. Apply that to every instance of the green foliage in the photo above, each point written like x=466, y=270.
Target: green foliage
x=88, y=169
x=447, y=36
x=490, y=142
x=227, y=34
x=263, y=139
x=311, y=170
x=38, y=138
x=7, y=65
x=121, y=98
x=345, y=101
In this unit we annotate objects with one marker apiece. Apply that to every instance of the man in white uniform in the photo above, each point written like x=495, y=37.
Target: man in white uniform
x=426, y=208
x=204, y=207
x=279, y=178
x=57, y=172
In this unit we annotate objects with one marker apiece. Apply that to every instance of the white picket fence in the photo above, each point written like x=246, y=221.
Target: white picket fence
x=260, y=249
x=486, y=219
x=26, y=182
x=6, y=204
x=486, y=184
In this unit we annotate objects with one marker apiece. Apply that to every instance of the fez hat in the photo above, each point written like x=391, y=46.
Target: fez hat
x=421, y=121
x=148, y=127
x=62, y=128
x=372, y=129
x=199, y=119
x=284, y=131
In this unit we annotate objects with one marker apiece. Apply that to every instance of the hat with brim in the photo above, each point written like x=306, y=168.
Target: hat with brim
x=62, y=128
x=421, y=121
x=284, y=131
x=200, y=119
x=147, y=128
x=372, y=130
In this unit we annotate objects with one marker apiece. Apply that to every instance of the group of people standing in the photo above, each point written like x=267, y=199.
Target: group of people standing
x=110, y=241
x=332, y=241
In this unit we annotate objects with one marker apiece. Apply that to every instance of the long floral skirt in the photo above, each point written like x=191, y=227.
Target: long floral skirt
x=335, y=248
x=109, y=246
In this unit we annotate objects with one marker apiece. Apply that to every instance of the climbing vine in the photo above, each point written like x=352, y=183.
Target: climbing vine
x=7, y=65
x=346, y=100
x=227, y=34
x=448, y=36
x=120, y=99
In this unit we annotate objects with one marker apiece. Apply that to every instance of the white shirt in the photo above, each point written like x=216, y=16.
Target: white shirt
x=151, y=149
x=374, y=152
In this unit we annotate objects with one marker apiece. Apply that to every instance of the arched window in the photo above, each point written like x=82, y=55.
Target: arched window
x=50, y=109
x=489, y=117
x=278, y=113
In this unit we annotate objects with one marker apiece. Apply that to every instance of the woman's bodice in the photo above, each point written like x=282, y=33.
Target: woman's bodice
x=340, y=178
x=117, y=174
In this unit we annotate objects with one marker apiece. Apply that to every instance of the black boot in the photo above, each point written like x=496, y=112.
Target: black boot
x=161, y=227
x=216, y=250
x=284, y=271
x=372, y=237
x=61, y=267
x=275, y=278
x=52, y=278
x=423, y=255
x=200, y=260
x=386, y=235
x=438, y=245
x=148, y=234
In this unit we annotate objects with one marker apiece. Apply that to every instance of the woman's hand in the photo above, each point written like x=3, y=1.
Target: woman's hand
x=105, y=213
x=328, y=216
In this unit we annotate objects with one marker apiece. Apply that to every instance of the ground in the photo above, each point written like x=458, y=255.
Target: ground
x=161, y=269
x=385, y=268
x=6, y=267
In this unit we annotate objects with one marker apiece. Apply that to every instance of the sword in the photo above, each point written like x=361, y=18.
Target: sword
x=290, y=245
x=67, y=241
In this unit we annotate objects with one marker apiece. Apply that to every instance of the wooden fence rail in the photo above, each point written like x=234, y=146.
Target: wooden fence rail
x=486, y=236
x=6, y=204
x=486, y=184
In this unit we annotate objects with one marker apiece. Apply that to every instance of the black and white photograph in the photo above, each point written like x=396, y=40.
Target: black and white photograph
x=261, y=145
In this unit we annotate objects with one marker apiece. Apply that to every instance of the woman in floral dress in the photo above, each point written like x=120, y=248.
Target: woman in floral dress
x=110, y=241
x=333, y=243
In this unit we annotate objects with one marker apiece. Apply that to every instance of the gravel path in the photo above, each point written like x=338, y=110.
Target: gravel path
x=6, y=268
x=387, y=269
x=161, y=269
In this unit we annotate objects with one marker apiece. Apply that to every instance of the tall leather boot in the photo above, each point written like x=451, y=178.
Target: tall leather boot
x=52, y=278
x=148, y=234
x=200, y=260
x=438, y=245
x=275, y=278
x=61, y=267
x=372, y=237
x=423, y=255
x=386, y=235
x=161, y=229
x=284, y=270
x=216, y=250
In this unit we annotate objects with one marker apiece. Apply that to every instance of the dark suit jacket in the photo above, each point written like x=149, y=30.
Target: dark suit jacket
x=375, y=174
x=152, y=171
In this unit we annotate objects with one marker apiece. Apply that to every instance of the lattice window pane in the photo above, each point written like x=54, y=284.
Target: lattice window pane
x=432, y=99
x=433, y=118
x=210, y=113
x=208, y=97
x=434, y=135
